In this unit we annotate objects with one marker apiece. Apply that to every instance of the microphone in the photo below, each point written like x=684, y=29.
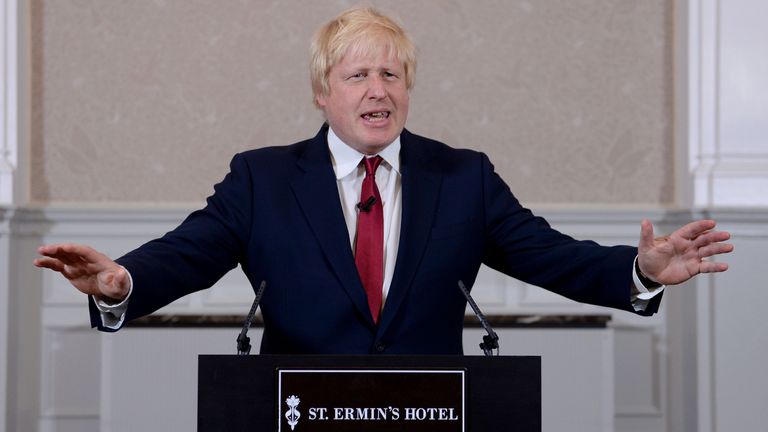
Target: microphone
x=243, y=341
x=366, y=206
x=490, y=341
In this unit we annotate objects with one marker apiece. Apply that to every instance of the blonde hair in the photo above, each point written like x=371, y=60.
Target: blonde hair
x=359, y=31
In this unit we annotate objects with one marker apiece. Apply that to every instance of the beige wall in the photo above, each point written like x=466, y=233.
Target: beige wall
x=146, y=101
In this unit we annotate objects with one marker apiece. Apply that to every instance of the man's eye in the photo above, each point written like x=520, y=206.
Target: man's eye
x=359, y=75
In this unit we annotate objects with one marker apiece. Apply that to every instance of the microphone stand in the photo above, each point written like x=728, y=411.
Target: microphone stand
x=243, y=341
x=491, y=340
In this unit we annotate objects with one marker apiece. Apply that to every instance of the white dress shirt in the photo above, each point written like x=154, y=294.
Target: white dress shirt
x=350, y=173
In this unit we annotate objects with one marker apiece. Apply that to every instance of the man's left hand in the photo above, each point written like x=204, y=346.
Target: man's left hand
x=675, y=258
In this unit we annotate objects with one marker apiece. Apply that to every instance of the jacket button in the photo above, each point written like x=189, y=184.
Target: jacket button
x=380, y=347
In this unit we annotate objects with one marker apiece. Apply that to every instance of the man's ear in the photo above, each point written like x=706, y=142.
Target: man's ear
x=320, y=100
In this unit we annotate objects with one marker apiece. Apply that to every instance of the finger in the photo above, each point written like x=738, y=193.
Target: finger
x=76, y=255
x=84, y=253
x=56, y=249
x=48, y=249
x=711, y=237
x=69, y=272
x=715, y=249
x=70, y=258
x=646, y=235
x=49, y=263
x=60, y=252
x=712, y=267
x=695, y=229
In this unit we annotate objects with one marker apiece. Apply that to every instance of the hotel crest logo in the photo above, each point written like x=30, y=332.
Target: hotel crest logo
x=293, y=414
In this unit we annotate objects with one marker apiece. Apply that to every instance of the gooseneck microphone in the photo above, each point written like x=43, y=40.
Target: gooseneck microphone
x=491, y=340
x=243, y=341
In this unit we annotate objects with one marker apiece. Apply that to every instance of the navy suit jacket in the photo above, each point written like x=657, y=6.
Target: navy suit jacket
x=277, y=214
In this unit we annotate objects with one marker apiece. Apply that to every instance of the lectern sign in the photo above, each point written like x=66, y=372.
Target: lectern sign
x=371, y=400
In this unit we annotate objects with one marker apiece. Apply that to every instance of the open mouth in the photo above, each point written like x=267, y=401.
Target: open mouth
x=375, y=116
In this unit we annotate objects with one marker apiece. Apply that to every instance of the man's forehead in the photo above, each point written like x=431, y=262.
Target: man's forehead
x=382, y=57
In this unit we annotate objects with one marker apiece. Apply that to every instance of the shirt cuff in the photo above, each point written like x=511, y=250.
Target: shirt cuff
x=113, y=315
x=641, y=294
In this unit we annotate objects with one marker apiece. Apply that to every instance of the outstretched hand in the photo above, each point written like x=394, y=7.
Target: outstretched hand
x=675, y=258
x=88, y=270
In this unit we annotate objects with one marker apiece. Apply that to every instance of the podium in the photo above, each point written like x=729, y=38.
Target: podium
x=368, y=393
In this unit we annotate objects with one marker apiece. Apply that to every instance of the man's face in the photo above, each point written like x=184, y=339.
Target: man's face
x=368, y=101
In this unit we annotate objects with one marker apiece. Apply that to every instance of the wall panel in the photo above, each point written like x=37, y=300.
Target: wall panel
x=147, y=101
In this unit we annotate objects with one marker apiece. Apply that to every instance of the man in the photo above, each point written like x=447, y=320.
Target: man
x=363, y=231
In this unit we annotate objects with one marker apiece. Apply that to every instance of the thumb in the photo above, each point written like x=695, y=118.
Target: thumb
x=122, y=282
x=113, y=283
x=646, y=235
x=121, y=279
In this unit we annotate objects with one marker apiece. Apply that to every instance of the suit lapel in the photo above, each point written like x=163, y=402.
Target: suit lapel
x=421, y=186
x=318, y=196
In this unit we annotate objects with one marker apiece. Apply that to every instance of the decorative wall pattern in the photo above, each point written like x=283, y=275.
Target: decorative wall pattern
x=147, y=101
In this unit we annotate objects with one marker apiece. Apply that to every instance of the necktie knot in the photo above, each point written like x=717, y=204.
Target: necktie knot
x=371, y=164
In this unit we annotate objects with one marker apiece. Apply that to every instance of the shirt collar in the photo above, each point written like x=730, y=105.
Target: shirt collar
x=346, y=159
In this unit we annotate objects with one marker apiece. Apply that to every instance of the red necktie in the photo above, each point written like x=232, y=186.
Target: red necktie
x=369, y=246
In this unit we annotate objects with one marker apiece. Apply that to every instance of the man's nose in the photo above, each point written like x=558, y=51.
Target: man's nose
x=376, y=88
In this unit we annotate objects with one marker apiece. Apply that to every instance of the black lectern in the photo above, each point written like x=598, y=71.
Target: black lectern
x=369, y=393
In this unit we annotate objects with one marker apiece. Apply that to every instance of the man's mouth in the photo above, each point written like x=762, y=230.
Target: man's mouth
x=375, y=116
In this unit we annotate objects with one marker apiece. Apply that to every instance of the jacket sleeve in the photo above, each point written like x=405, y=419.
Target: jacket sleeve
x=525, y=247
x=196, y=254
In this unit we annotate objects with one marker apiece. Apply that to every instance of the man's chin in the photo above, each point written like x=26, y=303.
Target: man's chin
x=377, y=143
x=374, y=147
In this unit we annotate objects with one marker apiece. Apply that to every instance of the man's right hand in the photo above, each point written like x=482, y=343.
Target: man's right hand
x=88, y=270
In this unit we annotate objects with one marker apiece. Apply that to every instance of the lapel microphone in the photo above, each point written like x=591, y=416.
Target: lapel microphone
x=366, y=206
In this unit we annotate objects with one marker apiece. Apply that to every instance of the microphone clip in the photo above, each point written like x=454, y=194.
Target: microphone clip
x=366, y=206
x=490, y=342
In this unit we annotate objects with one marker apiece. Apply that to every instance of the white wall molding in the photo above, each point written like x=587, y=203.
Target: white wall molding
x=8, y=162
x=117, y=230
x=8, y=98
x=722, y=90
x=60, y=318
x=722, y=165
x=5, y=282
x=62, y=314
